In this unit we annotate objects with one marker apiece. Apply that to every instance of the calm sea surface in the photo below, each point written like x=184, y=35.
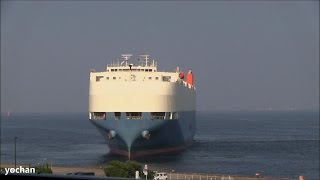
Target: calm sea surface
x=277, y=144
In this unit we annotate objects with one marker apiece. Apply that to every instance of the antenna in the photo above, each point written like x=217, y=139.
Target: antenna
x=126, y=57
x=145, y=57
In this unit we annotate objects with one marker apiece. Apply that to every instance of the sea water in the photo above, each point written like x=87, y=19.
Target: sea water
x=276, y=144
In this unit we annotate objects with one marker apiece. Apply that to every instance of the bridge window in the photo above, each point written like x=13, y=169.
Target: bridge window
x=114, y=78
x=158, y=115
x=134, y=115
x=166, y=78
x=99, y=115
x=157, y=78
x=150, y=78
x=164, y=115
x=98, y=78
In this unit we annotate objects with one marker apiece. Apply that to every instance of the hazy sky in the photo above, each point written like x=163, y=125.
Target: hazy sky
x=246, y=55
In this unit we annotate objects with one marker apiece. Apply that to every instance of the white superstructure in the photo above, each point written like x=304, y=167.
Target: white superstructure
x=127, y=87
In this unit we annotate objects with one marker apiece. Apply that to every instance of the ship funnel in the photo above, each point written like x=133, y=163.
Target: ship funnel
x=190, y=78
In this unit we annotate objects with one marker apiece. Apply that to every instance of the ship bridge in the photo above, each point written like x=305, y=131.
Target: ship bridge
x=143, y=70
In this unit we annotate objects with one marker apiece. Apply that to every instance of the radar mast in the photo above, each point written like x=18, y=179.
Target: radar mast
x=126, y=57
x=146, y=58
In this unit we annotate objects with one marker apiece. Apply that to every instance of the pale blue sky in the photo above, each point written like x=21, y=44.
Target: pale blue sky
x=246, y=55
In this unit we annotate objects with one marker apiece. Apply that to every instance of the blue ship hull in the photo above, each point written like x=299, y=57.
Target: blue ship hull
x=128, y=137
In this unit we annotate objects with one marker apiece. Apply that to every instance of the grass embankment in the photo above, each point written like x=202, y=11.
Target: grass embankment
x=125, y=169
x=45, y=169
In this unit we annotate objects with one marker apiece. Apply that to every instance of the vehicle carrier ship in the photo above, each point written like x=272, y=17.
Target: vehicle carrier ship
x=142, y=111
